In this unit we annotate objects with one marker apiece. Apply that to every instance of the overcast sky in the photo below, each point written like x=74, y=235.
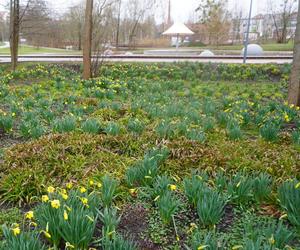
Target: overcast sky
x=182, y=10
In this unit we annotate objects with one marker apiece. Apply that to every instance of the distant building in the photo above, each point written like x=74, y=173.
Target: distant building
x=262, y=27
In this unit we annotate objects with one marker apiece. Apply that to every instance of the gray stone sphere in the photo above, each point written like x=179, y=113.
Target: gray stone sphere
x=206, y=53
x=254, y=50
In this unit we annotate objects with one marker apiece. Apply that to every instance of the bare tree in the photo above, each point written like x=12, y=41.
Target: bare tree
x=14, y=31
x=87, y=48
x=294, y=86
x=214, y=16
x=281, y=15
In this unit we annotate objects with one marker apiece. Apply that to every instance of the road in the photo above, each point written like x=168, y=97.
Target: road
x=147, y=58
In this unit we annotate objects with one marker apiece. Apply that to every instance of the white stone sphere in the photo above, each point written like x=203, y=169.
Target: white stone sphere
x=254, y=50
x=206, y=53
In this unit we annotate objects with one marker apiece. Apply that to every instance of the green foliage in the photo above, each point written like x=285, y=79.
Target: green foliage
x=296, y=137
x=118, y=243
x=112, y=128
x=109, y=187
x=110, y=222
x=234, y=131
x=22, y=241
x=167, y=205
x=135, y=126
x=202, y=240
x=269, y=132
x=210, y=207
x=240, y=189
x=192, y=188
x=65, y=124
x=262, y=188
x=6, y=123
x=71, y=218
x=144, y=172
x=289, y=197
x=91, y=126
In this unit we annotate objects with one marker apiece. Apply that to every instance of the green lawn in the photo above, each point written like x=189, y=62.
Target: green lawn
x=267, y=47
x=23, y=50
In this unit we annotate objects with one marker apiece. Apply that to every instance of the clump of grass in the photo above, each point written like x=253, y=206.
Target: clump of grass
x=234, y=131
x=112, y=128
x=289, y=197
x=210, y=207
x=167, y=205
x=296, y=137
x=269, y=132
x=91, y=126
x=240, y=189
x=64, y=125
x=6, y=123
x=135, y=126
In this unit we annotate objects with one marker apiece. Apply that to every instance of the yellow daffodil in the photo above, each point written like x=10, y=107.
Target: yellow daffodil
x=91, y=182
x=50, y=190
x=69, y=185
x=47, y=235
x=272, y=240
x=66, y=216
x=132, y=191
x=64, y=196
x=82, y=190
x=45, y=198
x=84, y=201
x=283, y=216
x=99, y=185
x=55, y=204
x=172, y=187
x=68, y=245
x=16, y=231
x=29, y=215
x=237, y=247
x=202, y=247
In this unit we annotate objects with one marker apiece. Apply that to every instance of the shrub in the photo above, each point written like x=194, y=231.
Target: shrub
x=91, y=126
x=289, y=197
x=210, y=207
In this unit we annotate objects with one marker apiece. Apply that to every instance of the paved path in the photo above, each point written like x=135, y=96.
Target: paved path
x=65, y=58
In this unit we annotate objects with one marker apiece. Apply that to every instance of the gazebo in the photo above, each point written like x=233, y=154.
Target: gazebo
x=178, y=29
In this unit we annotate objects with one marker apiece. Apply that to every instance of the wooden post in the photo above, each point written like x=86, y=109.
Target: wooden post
x=87, y=46
x=294, y=86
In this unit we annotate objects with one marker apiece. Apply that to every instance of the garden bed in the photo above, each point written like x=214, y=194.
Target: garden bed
x=159, y=156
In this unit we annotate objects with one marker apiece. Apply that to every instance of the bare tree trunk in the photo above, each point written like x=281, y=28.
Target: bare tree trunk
x=87, y=47
x=14, y=32
x=294, y=86
x=118, y=25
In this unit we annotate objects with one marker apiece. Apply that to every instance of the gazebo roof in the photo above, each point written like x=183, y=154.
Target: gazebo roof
x=178, y=29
